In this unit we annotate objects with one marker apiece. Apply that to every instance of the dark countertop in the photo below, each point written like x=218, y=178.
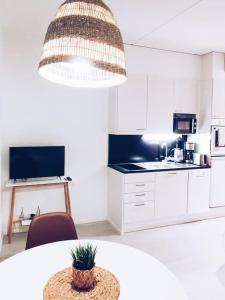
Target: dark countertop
x=168, y=167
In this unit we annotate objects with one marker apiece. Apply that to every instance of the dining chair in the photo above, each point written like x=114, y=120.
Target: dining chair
x=50, y=228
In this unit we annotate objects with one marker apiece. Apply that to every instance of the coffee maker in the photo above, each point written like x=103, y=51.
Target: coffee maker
x=189, y=151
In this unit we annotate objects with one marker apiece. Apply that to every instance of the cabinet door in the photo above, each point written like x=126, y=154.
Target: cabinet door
x=217, y=182
x=218, y=103
x=132, y=105
x=138, y=212
x=205, y=114
x=160, y=103
x=171, y=194
x=198, y=191
x=187, y=96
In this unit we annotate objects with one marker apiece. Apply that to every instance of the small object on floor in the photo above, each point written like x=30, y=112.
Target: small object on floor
x=38, y=212
x=25, y=222
x=32, y=216
x=21, y=215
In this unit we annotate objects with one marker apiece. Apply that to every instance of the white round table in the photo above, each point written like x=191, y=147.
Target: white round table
x=23, y=276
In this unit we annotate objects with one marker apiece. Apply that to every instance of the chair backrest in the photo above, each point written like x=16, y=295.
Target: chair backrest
x=50, y=228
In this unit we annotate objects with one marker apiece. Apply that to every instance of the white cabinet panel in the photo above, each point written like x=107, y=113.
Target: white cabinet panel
x=140, y=177
x=218, y=102
x=132, y=105
x=217, y=182
x=139, y=187
x=187, y=96
x=138, y=212
x=139, y=197
x=171, y=194
x=160, y=99
x=206, y=92
x=198, y=191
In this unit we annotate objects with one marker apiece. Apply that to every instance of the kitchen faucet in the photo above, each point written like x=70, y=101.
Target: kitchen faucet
x=166, y=151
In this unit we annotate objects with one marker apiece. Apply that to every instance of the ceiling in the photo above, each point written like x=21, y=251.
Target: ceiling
x=190, y=26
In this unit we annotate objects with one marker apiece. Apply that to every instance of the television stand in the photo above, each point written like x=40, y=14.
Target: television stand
x=35, y=184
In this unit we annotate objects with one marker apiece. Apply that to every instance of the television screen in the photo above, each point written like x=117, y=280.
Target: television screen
x=33, y=162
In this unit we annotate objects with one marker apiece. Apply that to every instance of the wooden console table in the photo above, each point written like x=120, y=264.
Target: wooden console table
x=34, y=184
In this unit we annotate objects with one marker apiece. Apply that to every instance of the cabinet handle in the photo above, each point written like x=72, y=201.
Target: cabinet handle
x=199, y=176
x=172, y=173
x=141, y=195
x=140, y=129
x=140, y=184
x=138, y=205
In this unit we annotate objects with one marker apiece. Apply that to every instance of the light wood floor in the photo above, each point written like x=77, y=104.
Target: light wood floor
x=194, y=252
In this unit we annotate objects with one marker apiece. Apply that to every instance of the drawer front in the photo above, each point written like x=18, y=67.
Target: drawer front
x=138, y=212
x=141, y=177
x=199, y=173
x=139, y=187
x=139, y=197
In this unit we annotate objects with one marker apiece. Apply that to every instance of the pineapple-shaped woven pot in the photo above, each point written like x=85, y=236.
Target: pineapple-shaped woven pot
x=84, y=280
x=84, y=267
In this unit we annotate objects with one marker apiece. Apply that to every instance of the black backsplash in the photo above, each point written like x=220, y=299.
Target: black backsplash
x=134, y=148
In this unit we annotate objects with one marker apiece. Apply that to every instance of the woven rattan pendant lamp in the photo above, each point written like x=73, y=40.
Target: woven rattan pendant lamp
x=83, y=46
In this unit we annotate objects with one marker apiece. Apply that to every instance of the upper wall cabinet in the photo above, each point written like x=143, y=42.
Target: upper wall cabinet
x=128, y=106
x=212, y=103
x=147, y=104
x=218, y=100
x=160, y=108
x=187, y=96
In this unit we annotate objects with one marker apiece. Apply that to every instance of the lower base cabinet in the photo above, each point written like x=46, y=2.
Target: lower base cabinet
x=198, y=191
x=138, y=212
x=137, y=200
x=171, y=194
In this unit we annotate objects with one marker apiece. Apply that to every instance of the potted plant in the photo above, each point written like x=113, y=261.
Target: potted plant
x=83, y=266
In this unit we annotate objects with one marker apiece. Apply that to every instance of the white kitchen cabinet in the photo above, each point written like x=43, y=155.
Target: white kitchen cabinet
x=218, y=102
x=217, y=182
x=205, y=115
x=131, y=200
x=143, y=200
x=198, y=191
x=187, y=96
x=147, y=103
x=160, y=105
x=171, y=194
x=138, y=212
x=128, y=106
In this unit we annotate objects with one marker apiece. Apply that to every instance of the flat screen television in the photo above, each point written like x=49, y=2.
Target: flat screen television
x=34, y=162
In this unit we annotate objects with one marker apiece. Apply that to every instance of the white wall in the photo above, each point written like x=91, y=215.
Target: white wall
x=37, y=112
x=163, y=63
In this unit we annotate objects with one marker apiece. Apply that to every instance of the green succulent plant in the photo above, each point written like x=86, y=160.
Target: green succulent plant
x=84, y=257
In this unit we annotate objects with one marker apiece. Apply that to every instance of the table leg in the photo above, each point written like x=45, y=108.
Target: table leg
x=65, y=195
x=11, y=215
x=68, y=198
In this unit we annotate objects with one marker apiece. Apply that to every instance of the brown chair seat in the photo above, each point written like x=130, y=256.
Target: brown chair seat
x=50, y=228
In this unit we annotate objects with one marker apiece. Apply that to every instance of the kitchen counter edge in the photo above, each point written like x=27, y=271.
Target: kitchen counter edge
x=121, y=170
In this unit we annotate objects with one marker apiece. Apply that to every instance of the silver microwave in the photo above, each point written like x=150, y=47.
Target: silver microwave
x=184, y=123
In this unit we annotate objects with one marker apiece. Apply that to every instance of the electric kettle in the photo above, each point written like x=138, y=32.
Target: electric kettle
x=177, y=154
